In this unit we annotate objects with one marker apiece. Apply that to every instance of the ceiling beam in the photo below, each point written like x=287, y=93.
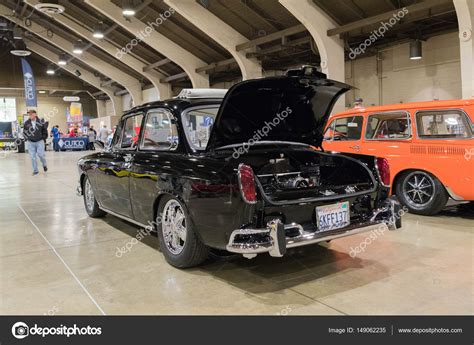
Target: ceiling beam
x=164, y=91
x=107, y=83
x=156, y=64
x=284, y=46
x=87, y=76
x=121, y=92
x=272, y=37
x=421, y=6
x=220, y=32
x=214, y=65
x=129, y=82
x=162, y=44
x=174, y=77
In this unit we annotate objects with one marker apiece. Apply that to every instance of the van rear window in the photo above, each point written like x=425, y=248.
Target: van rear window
x=443, y=124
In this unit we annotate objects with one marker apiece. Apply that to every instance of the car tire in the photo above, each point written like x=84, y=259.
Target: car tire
x=421, y=192
x=90, y=202
x=178, y=240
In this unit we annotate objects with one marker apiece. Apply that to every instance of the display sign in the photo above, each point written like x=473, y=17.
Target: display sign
x=74, y=113
x=71, y=99
x=73, y=143
x=29, y=81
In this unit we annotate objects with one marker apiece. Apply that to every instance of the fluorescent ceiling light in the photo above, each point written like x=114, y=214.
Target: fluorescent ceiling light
x=62, y=60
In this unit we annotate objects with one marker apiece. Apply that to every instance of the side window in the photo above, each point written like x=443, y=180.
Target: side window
x=443, y=124
x=388, y=126
x=328, y=135
x=131, y=132
x=348, y=128
x=160, y=131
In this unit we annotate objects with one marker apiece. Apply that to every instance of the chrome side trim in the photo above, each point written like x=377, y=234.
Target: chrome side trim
x=263, y=142
x=124, y=217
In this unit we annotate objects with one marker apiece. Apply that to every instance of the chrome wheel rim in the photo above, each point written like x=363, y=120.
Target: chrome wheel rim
x=174, y=227
x=419, y=189
x=89, y=196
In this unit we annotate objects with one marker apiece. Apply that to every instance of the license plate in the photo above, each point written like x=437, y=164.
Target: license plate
x=331, y=217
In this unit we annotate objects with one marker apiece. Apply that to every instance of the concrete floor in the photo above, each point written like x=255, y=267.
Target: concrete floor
x=54, y=259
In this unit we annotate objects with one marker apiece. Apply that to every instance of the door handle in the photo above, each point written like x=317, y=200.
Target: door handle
x=355, y=147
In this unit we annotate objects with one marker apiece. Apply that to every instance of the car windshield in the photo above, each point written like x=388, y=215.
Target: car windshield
x=198, y=124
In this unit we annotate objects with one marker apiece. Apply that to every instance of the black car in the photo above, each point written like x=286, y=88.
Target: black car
x=244, y=172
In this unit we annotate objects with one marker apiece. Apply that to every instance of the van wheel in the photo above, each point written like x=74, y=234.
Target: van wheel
x=421, y=192
x=90, y=202
x=177, y=238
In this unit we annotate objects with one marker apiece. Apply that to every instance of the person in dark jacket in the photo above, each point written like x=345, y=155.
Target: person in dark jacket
x=35, y=131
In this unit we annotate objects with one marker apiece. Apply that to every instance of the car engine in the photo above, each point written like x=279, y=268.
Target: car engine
x=280, y=175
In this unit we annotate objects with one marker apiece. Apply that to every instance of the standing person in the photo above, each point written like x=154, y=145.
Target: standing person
x=55, y=134
x=91, y=134
x=103, y=134
x=72, y=133
x=35, y=131
x=111, y=136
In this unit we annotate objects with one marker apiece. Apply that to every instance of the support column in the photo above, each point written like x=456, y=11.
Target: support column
x=220, y=32
x=465, y=14
x=101, y=111
x=331, y=49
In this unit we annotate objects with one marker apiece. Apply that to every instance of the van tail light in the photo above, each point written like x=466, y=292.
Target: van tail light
x=383, y=169
x=247, y=183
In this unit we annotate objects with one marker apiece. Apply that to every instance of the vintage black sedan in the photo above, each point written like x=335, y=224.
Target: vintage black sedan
x=245, y=172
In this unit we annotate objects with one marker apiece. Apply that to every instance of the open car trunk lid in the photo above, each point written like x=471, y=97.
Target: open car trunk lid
x=292, y=108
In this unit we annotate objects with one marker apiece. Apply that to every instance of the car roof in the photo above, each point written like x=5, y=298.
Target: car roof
x=178, y=104
x=404, y=106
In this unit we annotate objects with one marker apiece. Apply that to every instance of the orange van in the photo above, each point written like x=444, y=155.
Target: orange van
x=429, y=146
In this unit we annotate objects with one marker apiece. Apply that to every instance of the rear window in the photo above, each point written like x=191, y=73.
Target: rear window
x=443, y=124
x=387, y=126
x=198, y=124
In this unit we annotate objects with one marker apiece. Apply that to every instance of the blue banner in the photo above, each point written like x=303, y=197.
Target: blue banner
x=30, y=87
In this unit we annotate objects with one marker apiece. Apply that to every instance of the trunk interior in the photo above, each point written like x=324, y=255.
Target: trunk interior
x=305, y=174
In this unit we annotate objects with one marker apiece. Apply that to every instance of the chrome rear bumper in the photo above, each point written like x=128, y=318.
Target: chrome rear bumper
x=273, y=245
x=273, y=238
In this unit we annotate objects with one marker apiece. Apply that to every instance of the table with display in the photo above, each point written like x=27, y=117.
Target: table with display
x=73, y=144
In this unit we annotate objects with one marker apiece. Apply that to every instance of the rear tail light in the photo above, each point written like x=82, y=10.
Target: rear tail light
x=247, y=184
x=384, y=171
